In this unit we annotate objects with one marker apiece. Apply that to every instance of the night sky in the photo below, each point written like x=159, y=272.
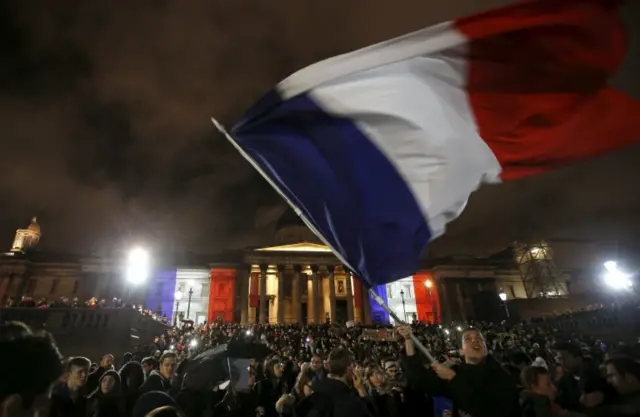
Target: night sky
x=104, y=120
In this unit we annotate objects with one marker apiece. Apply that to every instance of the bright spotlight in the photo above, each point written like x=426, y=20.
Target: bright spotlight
x=611, y=265
x=248, y=332
x=616, y=278
x=138, y=266
x=428, y=283
x=459, y=328
x=446, y=331
x=178, y=295
x=502, y=295
x=193, y=343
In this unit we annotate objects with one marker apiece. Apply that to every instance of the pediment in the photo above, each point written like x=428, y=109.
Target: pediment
x=297, y=247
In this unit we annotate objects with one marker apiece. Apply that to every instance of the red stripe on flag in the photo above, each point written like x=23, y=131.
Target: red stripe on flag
x=537, y=83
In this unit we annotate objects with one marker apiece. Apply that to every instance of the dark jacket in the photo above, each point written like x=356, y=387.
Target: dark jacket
x=333, y=398
x=63, y=405
x=571, y=388
x=623, y=406
x=267, y=392
x=155, y=382
x=483, y=390
x=106, y=405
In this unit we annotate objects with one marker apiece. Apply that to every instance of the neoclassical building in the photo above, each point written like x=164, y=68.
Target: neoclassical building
x=296, y=279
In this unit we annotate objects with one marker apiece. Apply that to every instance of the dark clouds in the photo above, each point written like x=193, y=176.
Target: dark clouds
x=104, y=118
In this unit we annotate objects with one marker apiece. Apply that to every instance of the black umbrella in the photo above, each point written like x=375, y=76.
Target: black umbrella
x=215, y=366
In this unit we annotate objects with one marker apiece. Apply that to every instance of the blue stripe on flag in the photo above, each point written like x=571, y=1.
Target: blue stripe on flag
x=342, y=183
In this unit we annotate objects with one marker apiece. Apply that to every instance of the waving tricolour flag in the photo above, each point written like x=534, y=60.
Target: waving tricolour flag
x=380, y=148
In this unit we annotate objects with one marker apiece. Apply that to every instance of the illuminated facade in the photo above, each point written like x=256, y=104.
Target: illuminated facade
x=296, y=280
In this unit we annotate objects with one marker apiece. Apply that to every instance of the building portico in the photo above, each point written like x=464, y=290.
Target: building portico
x=300, y=283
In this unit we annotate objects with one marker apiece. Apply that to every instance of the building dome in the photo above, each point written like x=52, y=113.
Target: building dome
x=291, y=229
x=289, y=219
x=34, y=226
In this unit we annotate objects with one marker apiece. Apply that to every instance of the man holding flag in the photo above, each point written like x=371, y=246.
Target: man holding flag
x=478, y=387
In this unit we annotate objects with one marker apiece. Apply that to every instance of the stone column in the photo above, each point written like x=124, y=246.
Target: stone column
x=443, y=297
x=280, y=316
x=349, y=295
x=316, y=294
x=332, y=293
x=366, y=305
x=263, y=294
x=297, y=293
x=244, y=274
x=463, y=313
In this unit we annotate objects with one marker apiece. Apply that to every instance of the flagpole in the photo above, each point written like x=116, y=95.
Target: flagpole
x=375, y=296
x=422, y=348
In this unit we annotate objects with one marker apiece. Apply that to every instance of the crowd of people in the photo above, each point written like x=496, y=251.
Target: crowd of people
x=75, y=303
x=480, y=369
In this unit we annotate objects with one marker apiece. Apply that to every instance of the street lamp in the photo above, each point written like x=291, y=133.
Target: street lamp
x=503, y=297
x=404, y=310
x=190, y=293
x=615, y=278
x=178, y=296
x=429, y=284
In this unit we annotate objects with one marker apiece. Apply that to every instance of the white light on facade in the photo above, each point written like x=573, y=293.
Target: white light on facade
x=138, y=266
x=502, y=295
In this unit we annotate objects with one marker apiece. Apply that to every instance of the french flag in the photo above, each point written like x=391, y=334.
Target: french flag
x=380, y=148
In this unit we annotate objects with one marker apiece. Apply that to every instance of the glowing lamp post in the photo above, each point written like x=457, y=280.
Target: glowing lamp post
x=503, y=298
x=615, y=278
x=177, y=296
x=429, y=285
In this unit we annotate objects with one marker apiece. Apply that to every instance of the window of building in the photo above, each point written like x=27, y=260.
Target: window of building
x=54, y=286
x=408, y=291
x=76, y=286
x=204, y=290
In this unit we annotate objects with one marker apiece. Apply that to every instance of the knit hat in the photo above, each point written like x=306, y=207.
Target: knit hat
x=150, y=401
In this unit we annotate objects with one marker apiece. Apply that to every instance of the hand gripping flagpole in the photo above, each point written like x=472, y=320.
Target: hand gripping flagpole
x=375, y=296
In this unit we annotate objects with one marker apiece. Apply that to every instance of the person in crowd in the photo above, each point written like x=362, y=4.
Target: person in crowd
x=582, y=386
x=126, y=358
x=341, y=394
x=106, y=364
x=385, y=396
x=69, y=397
x=161, y=380
x=623, y=373
x=479, y=387
x=538, y=396
x=149, y=364
x=107, y=399
x=32, y=364
x=271, y=388
x=317, y=367
x=131, y=377
x=166, y=411
x=151, y=401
